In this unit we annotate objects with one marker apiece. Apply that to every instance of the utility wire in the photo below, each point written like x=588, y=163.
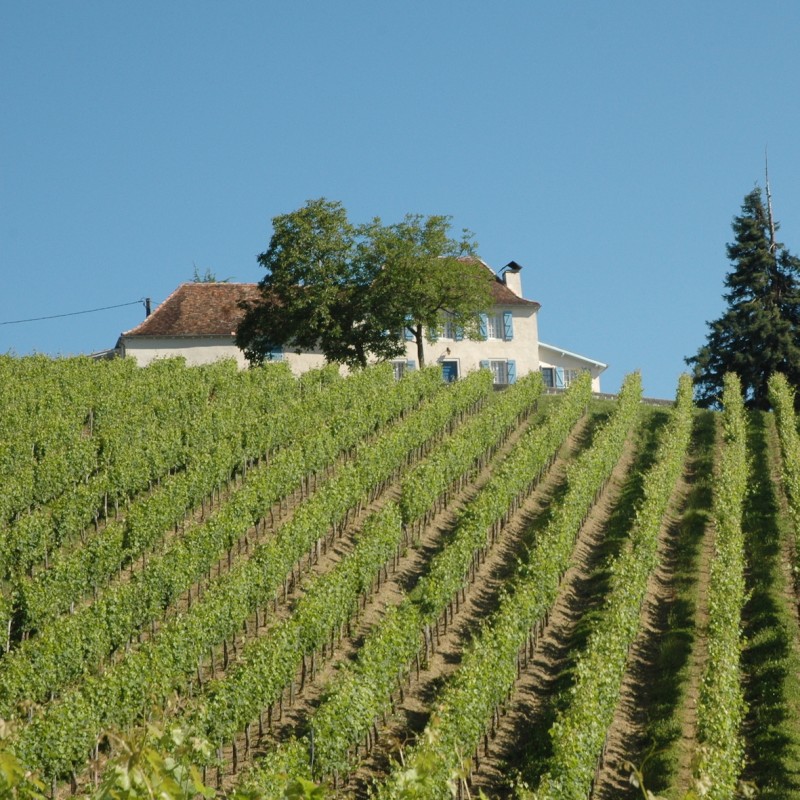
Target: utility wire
x=71, y=313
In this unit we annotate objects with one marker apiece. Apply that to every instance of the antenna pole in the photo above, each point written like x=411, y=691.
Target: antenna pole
x=772, y=243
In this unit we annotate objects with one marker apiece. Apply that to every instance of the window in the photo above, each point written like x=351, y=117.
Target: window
x=448, y=326
x=494, y=326
x=559, y=377
x=499, y=372
x=504, y=371
x=497, y=326
x=450, y=371
x=401, y=368
x=570, y=375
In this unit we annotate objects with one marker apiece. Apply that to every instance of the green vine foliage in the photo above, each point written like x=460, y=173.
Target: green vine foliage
x=579, y=733
x=721, y=706
x=61, y=737
x=152, y=429
x=489, y=668
x=40, y=666
x=270, y=662
x=362, y=693
x=781, y=398
x=67, y=468
x=329, y=602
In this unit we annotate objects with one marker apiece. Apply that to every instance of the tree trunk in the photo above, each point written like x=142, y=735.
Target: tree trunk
x=420, y=346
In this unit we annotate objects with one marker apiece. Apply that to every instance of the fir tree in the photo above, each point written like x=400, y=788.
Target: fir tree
x=759, y=333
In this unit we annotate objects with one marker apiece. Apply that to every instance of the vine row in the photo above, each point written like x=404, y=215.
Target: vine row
x=721, y=706
x=61, y=737
x=73, y=645
x=467, y=710
x=365, y=692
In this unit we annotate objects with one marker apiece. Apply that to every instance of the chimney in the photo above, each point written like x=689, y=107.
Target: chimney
x=511, y=277
x=146, y=307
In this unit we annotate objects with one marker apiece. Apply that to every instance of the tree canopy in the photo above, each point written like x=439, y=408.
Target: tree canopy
x=758, y=334
x=358, y=292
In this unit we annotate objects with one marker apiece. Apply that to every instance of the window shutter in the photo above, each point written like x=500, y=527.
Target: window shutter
x=559, y=377
x=408, y=333
x=512, y=370
x=411, y=365
x=459, y=333
x=433, y=334
x=484, y=326
x=508, y=326
x=484, y=364
x=275, y=353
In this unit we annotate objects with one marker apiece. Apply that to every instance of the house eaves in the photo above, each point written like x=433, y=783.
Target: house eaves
x=562, y=352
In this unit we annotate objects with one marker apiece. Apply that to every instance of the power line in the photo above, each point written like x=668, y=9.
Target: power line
x=72, y=313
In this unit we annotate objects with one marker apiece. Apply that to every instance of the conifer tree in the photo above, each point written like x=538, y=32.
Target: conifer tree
x=759, y=333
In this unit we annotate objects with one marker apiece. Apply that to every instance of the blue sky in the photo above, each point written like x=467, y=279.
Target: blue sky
x=603, y=146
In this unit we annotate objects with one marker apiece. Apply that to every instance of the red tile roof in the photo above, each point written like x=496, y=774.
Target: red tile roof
x=212, y=309
x=503, y=296
x=198, y=309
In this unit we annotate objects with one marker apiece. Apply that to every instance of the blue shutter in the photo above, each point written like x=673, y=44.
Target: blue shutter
x=459, y=333
x=409, y=334
x=484, y=364
x=559, y=377
x=484, y=326
x=512, y=371
x=411, y=365
x=508, y=326
x=433, y=334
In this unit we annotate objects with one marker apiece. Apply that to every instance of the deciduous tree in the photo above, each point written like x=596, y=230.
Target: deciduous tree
x=357, y=292
x=316, y=293
x=426, y=274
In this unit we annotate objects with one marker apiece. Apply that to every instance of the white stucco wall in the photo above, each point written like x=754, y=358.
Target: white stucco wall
x=467, y=353
x=195, y=349
x=205, y=350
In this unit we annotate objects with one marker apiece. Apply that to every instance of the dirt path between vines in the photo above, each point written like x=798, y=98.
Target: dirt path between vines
x=260, y=624
x=625, y=738
x=687, y=716
x=481, y=598
x=529, y=703
x=393, y=587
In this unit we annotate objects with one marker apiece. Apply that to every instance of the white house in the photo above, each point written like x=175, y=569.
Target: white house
x=198, y=321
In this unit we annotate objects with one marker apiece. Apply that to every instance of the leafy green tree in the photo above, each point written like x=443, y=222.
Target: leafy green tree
x=352, y=291
x=758, y=334
x=316, y=293
x=426, y=273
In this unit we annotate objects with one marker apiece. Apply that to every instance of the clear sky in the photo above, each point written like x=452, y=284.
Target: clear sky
x=605, y=146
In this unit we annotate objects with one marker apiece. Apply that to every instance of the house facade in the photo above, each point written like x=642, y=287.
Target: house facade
x=198, y=321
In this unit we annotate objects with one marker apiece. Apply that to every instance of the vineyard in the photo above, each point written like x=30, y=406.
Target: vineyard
x=397, y=588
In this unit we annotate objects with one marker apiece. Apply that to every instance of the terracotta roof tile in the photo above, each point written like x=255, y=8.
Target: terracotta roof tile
x=198, y=309
x=503, y=296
